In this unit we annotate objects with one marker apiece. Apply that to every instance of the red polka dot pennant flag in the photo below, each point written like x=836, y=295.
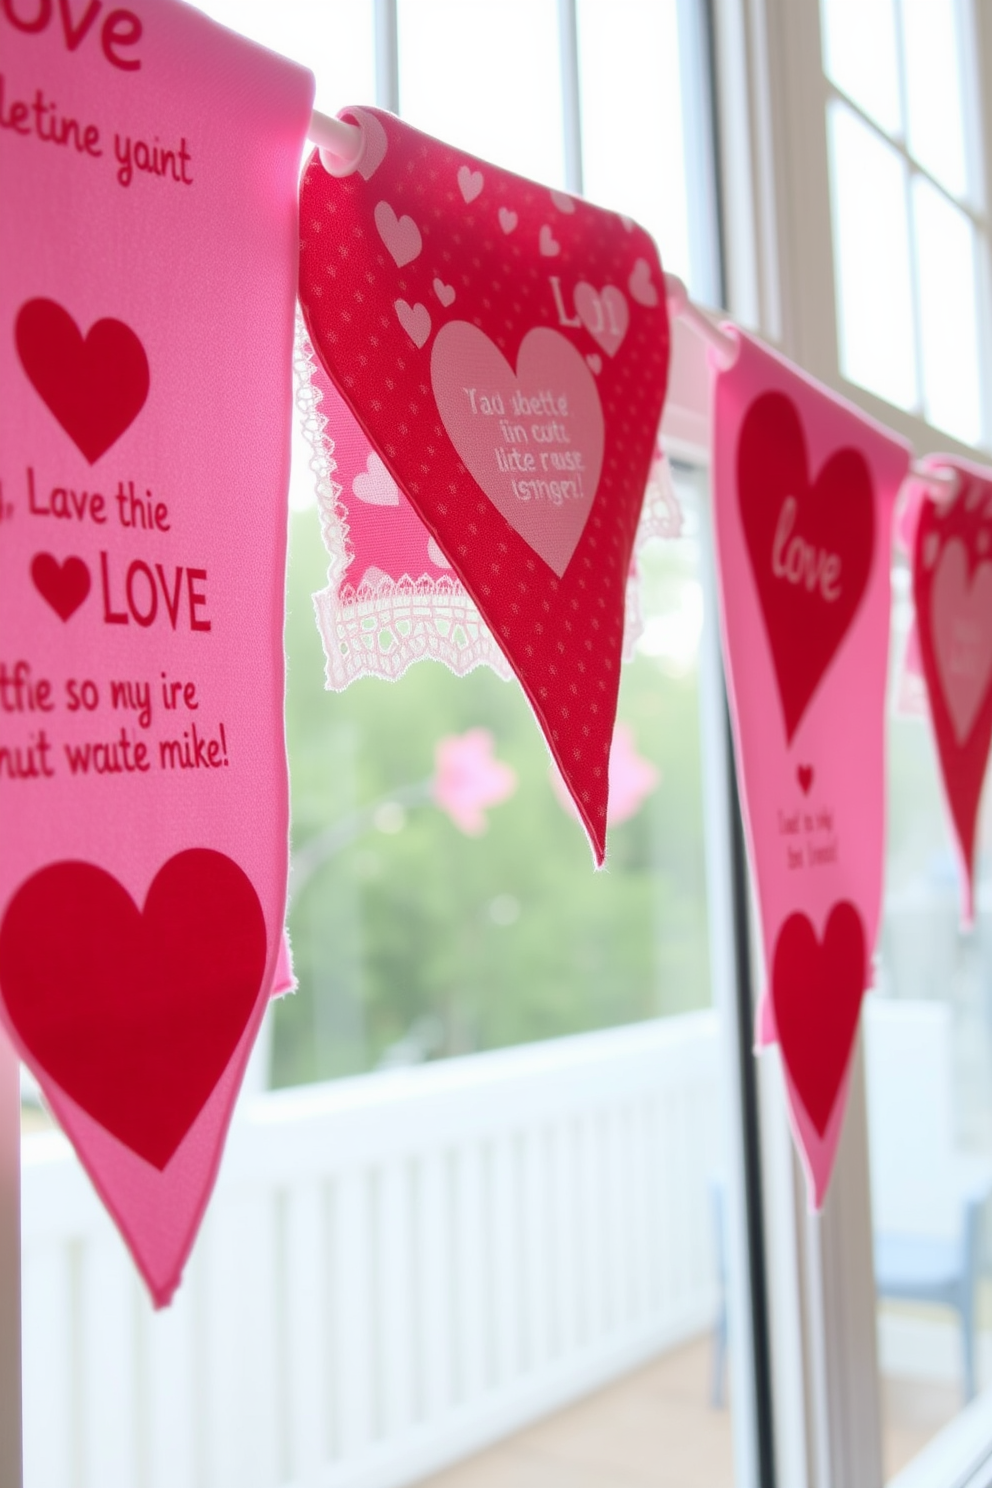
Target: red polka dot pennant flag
x=504, y=347
x=952, y=590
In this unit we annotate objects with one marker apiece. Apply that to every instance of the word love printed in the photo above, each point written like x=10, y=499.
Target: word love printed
x=804, y=490
x=801, y=536
x=952, y=589
x=505, y=349
x=142, y=568
x=802, y=563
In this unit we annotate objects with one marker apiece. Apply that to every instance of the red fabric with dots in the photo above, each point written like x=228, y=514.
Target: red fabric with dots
x=471, y=318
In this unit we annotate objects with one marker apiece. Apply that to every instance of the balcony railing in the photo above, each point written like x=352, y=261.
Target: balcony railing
x=395, y=1270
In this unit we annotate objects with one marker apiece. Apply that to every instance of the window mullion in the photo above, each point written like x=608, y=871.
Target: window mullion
x=571, y=102
x=10, y=1267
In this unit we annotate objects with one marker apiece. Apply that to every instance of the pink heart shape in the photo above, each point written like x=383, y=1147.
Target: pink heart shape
x=642, y=287
x=604, y=314
x=562, y=202
x=444, y=292
x=415, y=320
x=507, y=219
x=532, y=439
x=401, y=235
x=374, y=484
x=547, y=244
x=470, y=182
x=962, y=634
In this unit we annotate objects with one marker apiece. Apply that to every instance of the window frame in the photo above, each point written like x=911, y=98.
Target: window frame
x=779, y=265
x=773, y=203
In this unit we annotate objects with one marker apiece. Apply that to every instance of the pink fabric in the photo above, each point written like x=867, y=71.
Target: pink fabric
x=392, y=597
x=804, y=492
x=146, y=325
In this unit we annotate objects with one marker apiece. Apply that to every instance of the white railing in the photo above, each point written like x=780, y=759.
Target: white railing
x=395, y=1270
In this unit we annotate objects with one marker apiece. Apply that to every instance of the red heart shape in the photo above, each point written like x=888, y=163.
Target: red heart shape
x=64, y=585
x=804, y=774
x=135, y=1014
x=816, y=993
x=952, y=590
x=810, y=546
x=94, y=385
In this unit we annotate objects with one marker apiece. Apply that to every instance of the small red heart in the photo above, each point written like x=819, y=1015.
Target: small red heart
x=135, y=1014
x=804, y=775
x=816, y=993
x=94, y=385
x=831, y=522
x=64, y=585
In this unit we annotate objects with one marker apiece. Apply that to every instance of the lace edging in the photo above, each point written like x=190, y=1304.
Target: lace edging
x=661, y=517
x=383, y=626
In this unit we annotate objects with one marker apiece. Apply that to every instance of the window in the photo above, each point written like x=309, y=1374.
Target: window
x=908, y=200
x=834, y=179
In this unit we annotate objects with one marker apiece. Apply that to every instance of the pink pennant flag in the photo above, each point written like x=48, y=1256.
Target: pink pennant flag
x=804, y=493
x=952, y=589
x=147, y=244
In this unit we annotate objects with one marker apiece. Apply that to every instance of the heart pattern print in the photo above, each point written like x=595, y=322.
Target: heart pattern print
x=466, y=361
x=144, y=793
x=952, y=591
x=804, y=490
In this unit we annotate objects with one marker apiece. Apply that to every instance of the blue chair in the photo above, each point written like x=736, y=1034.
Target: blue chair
x=928, y=1198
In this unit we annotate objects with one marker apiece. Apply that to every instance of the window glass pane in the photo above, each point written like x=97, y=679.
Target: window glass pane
x=487, y=78
x=928, y=1037
x=935, y=90
x=871, y=259
x=860, y=56
x=945, y=253
x=334, y=38
x=633, y=154
x=414, y=940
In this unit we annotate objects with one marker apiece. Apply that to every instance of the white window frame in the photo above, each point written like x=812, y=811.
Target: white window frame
x=779, y=281
x=779, y=269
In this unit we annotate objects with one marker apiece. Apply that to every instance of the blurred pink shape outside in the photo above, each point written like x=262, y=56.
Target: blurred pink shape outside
x=632, y=779
x=468, y=778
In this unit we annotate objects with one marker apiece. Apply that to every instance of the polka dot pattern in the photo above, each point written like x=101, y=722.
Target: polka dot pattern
x=373, y=322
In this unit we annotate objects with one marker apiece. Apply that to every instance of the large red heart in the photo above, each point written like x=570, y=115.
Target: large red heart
x=458, y=308
x=810, y=546
x=94, y=385
x=135, y=1014
x=952, y=589
x=816, y=993
x=64, y=585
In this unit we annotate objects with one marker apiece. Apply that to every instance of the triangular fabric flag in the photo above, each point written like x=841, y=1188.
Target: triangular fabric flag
x=148, y=254
x=804, y=489
x=952, y=590
x=505, y=349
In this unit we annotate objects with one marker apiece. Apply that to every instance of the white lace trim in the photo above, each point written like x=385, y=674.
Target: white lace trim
x=661, y=517
x=381, y=627
x=384, y=625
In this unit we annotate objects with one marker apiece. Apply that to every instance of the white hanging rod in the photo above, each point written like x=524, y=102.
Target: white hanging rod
x=339, y=143
x=942, y=482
